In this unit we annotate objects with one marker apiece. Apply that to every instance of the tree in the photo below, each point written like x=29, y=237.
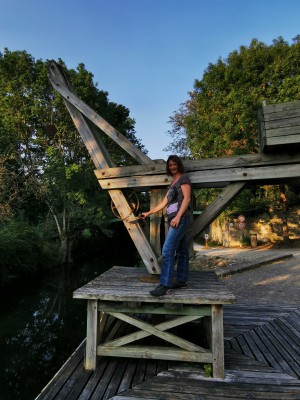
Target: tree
x=42, y=149
x=220, y=116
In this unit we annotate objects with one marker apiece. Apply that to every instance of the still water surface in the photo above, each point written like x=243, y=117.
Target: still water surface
x=41, y=325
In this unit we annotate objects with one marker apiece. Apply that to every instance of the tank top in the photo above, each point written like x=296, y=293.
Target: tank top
x=175, y=197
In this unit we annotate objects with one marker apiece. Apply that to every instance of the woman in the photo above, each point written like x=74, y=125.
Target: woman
x=177, y=202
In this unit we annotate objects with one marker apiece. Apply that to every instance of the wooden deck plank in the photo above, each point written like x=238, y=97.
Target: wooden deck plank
x=94, y=380
x=288, y=336
x=185, y=386
x=246, y=349
x=282, y=350
x=244, y=375
x=294, y=319
x=249, y=316
x=105, y=380
x=254, y=348
x=171, y=396
x=59, y=379
x=276, y=342
x=126, y=284
x=274, y=358
x=289, y=324
x=114, y=384
x=129, y=375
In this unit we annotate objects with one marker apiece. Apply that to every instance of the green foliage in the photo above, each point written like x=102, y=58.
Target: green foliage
x=220, y=117
x=45, y=170
x=252, y=200
x=208, y=370
x=22, y=250
x=245, y=240
x=213, y=243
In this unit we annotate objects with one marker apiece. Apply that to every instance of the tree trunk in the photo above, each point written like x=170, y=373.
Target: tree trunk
x=66, y=247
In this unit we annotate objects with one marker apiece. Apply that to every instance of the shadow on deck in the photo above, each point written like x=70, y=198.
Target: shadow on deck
x=262, y=361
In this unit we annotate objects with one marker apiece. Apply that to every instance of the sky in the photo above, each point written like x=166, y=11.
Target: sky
x=145, y=53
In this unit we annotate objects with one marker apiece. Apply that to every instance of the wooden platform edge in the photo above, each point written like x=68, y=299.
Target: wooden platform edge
x=61, y=369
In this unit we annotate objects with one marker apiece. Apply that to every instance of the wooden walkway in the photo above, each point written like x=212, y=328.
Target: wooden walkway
x=262, y=361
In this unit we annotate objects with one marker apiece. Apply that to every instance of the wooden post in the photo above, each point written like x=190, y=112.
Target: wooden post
x=92, y=336
x=156, y=196
x=217, y=340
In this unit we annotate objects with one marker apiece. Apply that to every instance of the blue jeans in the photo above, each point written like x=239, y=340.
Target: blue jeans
x=176, y=242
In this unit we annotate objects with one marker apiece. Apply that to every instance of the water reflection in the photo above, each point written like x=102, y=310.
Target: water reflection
x=41, y=325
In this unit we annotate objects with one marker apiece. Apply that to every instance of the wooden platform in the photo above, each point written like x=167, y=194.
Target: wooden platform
x=261, y=360
x=121, y=292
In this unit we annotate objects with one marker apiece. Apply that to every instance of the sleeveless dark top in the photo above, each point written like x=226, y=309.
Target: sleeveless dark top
x=175, y=197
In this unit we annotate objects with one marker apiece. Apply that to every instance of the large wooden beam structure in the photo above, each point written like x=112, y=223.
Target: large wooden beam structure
x=79, y=111
x=231, y=173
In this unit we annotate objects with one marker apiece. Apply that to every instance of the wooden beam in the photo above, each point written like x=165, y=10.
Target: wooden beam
x=284, y=121
x=92, y=141
x=155, y=352
x=87, y=111
x=288, y=106
x=286, y=131
x=156, y=330
x=102, y=159
x=243, y=161
x=92, y=338
x=217, y=341
x=205, y=178
x=214, y=209
x=156, y=196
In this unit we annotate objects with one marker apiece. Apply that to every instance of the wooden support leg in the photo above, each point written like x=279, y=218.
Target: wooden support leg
x=102, y=325
x=217, y=341
x=157, y=195
x=92, y=334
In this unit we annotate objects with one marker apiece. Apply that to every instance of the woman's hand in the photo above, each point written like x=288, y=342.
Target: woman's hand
x=145, y=214
x=159, y=207
x=175, y=221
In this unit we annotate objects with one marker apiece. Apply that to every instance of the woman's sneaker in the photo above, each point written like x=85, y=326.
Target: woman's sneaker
x=160, y=290
x=179, y=284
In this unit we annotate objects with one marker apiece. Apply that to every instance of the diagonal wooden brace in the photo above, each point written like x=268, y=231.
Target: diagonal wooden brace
x=102, y=159
x=132, y=337
x=159, y=330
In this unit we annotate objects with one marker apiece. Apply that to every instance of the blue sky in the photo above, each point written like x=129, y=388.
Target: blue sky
x=145, y=53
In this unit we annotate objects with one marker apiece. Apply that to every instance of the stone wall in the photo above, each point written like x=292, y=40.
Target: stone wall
x=268, y=227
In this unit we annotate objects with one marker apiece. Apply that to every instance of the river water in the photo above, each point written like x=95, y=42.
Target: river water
x=41, y=325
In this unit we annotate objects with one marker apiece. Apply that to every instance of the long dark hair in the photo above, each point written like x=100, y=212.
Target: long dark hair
x=177, y=160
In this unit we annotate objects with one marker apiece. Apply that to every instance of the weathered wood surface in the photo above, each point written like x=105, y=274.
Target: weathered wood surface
x=92, y=338
x=245, y=317
x=246, y=376
x=89, y=113
x=214, y=209
x=156, y=196
x=275, y=343
x=217, y=341
x=242, y=161
x=101, y=159
x=214, y=172
x=137, y=335
x=279, y=127
x=208, y=178
x=125, y=284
